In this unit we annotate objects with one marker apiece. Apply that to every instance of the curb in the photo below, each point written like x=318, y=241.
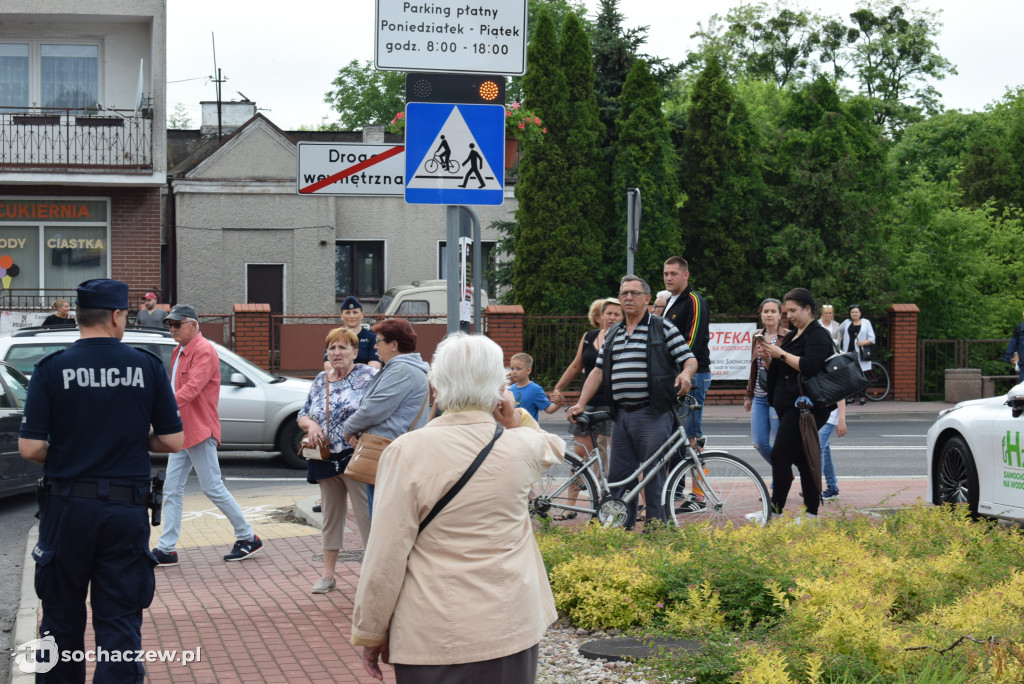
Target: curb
x=304, y=510
x=26, y=623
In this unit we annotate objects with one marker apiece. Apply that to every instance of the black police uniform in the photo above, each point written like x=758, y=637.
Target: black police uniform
x=95, y=402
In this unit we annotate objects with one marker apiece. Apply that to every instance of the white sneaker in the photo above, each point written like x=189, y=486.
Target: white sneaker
x=809, y=517
x=324, y=585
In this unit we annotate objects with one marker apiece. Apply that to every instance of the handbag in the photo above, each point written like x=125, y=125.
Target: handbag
x=362, y=467
x=867, y=352
x=457, y=487
x=322, y=450
x=840, y=378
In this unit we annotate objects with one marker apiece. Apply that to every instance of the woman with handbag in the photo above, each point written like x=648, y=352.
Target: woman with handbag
x=857, y=335
x=764, y=421
x=802, y=352
x=396, y=400
x=345, y=381
x=453, y=587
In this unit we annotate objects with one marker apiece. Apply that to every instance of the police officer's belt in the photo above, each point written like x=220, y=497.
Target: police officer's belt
x=634, y=407
x=128, y=494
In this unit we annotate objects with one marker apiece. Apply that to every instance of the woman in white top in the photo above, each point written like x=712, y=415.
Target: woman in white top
x=856, y=332
x=828, y=321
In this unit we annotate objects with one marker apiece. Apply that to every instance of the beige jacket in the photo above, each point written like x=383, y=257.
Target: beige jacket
x=472, y=586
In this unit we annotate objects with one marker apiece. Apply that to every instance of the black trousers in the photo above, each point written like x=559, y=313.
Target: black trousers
x=788, y=451
x=518, y=668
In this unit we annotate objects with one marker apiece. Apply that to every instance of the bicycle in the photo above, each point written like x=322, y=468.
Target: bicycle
x=711, y=486
x=433, y=164
x=878, y=382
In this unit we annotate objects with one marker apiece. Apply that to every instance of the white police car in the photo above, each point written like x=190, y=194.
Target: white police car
x=976, y=456
x=257, y=409
x=16, y=474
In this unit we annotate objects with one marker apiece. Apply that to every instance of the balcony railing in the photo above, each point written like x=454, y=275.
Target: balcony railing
x=48, y=139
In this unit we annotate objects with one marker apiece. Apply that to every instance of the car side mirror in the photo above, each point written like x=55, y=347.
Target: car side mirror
x=1016, y=406
x=238, y=380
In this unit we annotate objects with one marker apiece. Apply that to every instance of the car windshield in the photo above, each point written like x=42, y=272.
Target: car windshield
x=16, y=383
x=384, y=302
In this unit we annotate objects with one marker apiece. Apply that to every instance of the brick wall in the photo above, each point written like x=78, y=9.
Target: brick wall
x=134, y=229
x=505, y=326
x=903, y=346
x=252, y=333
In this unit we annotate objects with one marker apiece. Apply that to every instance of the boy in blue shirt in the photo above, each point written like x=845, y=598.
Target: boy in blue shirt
x=529, y=395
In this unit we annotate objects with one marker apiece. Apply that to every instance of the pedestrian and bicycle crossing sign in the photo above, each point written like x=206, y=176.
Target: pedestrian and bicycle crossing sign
x=454, y=153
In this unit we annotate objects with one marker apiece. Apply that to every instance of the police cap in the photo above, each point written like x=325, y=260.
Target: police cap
x=103, y=293
x=350, y=303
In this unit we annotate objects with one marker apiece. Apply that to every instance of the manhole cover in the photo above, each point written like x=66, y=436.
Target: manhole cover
x=350, y=556
x=614, y=649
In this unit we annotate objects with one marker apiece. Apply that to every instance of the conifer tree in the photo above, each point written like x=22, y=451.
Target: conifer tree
x=643, y=158
x=722, y=225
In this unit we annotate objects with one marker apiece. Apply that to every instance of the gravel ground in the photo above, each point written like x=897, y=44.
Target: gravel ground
x=561, y=662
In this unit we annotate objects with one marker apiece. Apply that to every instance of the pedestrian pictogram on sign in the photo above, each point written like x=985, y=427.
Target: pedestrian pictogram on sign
x=455, y=154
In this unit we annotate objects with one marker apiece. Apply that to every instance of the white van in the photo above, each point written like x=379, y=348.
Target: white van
x=426, y=298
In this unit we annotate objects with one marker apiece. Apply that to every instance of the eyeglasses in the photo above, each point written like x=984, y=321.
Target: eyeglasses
x=174, y=324
x=626, y=294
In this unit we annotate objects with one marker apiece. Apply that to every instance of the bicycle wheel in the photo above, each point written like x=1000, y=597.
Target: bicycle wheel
x=453, y=167
x=431, y=166
x=727, y=490
x=566, y=489
x=878, y=382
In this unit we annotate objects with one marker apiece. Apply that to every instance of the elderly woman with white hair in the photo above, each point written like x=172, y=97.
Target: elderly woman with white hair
x=453, y=588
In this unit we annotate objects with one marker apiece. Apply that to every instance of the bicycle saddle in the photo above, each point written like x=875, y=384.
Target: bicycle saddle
x=588, y=419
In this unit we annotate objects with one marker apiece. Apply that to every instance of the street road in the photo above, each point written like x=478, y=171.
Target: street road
x=887, y=447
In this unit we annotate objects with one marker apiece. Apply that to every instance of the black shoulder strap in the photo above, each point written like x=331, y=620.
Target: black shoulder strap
x=457, y=487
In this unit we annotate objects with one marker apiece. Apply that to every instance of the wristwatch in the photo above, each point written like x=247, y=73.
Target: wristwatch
x=782, y=357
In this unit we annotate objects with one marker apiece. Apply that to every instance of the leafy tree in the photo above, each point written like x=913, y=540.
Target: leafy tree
x=179, y=119
x=830, y=190
x=643, y=158
x=362, y=95
x=955, y=258
x=552, y=270
x=933, y=149
x=993, y=161
x=723, y=229
x=779, y=46
x=895, y=56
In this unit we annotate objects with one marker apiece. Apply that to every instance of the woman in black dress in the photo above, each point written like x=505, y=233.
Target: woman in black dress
x=802, y=352
x=61, y=317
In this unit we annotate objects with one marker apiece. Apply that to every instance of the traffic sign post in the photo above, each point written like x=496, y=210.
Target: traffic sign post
x=451, y=36
x=455, y=153
x=350, y=169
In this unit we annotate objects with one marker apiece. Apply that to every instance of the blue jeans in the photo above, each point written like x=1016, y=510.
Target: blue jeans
x=203, y=457
x=764, y=425
x=827, y=468
x=699, y=391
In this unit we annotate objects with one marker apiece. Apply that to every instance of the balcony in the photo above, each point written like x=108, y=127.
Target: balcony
x=50, y=139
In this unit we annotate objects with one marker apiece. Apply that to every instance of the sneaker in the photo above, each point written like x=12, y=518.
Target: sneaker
x=702, y=441
x=323, y=585
x=809, y=517
x=164, y=558
x=693, y=504
x=757, y=517
x=830, y=494
x=243, y=549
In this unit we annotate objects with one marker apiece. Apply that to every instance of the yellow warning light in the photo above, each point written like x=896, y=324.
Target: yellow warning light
x=488, y=90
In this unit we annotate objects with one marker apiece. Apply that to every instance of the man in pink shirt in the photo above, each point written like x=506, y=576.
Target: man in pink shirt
x=195, y=378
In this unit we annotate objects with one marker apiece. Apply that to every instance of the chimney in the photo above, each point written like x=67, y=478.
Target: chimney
x=232, y=114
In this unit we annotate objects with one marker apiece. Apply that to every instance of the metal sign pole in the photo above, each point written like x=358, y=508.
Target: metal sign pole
x=453, y=269
x=478, y=269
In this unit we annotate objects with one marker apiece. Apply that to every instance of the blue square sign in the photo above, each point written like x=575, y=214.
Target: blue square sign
x=454, y=153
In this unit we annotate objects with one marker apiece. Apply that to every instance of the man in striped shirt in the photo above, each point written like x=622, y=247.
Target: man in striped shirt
x=642, y=419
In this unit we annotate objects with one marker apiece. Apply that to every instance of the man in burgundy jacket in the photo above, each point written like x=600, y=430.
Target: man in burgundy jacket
x=195, y=378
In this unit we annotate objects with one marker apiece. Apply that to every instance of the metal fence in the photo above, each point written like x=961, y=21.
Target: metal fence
x=935, y=356
x=53, y=139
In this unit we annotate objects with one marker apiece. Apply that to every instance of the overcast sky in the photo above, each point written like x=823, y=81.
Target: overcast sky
x=284, y=56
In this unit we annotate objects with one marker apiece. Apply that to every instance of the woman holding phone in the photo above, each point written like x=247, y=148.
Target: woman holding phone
x=764, y=421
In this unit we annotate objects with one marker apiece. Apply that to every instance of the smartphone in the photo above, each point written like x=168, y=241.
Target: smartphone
x=759, y=336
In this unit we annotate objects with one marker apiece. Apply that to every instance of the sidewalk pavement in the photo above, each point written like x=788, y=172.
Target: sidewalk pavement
x=255, y=620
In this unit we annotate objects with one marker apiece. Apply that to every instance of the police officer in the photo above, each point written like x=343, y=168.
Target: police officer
x=93, y=413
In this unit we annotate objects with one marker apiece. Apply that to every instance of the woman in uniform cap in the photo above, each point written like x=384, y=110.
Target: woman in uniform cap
x=352, y=318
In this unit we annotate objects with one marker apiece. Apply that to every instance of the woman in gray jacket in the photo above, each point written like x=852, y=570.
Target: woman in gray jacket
x=395, y=402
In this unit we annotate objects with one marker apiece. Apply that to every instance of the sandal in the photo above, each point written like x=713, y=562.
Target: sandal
x=571, y=515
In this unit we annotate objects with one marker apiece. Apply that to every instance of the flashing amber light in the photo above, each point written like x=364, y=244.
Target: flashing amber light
x=488, y=90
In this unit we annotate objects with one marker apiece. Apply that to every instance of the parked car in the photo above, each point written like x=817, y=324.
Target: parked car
x=17, y=475
x=425, y=299
x=257, y=409
x=975, y=456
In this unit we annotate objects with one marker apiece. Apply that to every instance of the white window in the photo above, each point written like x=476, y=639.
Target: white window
x=43, y=73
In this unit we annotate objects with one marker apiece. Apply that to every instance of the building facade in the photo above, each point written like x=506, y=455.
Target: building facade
x=82, y=145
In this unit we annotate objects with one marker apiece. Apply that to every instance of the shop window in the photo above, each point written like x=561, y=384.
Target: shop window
x=359, y=268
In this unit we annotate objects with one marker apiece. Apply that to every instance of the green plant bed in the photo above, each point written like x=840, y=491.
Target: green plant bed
x=851, y=599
